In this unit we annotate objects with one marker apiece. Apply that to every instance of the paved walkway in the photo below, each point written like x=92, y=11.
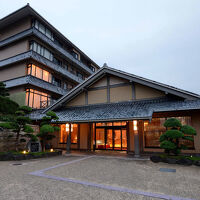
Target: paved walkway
x=96, y=177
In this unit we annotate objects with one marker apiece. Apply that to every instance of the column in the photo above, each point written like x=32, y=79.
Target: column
x=136, y=139
x=68, y=147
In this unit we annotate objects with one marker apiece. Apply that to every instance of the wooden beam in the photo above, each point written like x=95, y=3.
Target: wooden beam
x=133, y=90
x=86, y=97
x=108, y=89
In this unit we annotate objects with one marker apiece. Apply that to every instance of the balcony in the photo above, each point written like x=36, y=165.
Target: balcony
x=31, y=80
x=35, y=32
x=42, y=60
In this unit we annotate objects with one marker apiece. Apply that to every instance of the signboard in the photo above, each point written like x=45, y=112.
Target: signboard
x=34, y=146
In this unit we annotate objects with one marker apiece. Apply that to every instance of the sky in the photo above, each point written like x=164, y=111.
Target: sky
x=155, y=39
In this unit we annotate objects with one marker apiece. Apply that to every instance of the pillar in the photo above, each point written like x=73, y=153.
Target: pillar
x=68, y=147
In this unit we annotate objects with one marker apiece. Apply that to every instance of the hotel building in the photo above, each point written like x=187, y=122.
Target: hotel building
x=38, y=64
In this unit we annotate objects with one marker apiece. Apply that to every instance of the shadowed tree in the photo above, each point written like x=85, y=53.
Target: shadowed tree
x=3, y=90
x=46, y=128
x=170, y=140
x=7, y=106
x=20, y=126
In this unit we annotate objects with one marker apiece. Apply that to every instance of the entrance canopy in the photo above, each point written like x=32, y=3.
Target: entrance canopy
x=119, y=111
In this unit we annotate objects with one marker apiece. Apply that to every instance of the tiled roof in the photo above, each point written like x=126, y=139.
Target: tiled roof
x=120, y=111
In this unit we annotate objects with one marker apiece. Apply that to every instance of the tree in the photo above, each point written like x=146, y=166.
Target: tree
x=3, y=90
x=20, y=126
x=46, y=128
x=7, y=106
x=170, y=140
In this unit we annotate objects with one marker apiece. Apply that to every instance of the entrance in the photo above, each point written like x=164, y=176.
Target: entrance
x=111, y=137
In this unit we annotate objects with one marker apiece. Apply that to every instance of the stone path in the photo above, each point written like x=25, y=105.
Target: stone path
x=96, y=177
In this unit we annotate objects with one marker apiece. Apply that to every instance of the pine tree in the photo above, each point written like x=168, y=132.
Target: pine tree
x=3, y=90
x=170, y=140
x=20, y=126
x=46, y=128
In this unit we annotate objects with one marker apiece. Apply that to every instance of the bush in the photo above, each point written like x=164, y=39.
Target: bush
x=155, y=159
x=170, y=140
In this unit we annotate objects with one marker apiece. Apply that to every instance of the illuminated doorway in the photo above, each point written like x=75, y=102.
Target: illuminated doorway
x=111, y=136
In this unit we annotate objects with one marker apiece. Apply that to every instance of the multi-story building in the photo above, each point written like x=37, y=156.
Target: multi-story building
x=38, y=63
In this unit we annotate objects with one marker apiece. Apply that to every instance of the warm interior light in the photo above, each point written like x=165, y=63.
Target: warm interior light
x=72, y=127
x=67, y=127
x=146, y=123
x=135, y=128
x=24, y=152
x=51, y=150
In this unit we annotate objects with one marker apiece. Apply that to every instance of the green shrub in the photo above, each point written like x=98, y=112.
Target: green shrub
x=170, y=140
x=46, y=128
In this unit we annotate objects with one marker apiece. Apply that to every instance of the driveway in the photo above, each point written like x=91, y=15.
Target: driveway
x=97, y=177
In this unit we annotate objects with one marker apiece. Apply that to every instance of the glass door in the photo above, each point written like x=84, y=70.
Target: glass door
x=109, y=139
x=117, y=139
x=124, y=139
x=112, y=138
x=100, y=138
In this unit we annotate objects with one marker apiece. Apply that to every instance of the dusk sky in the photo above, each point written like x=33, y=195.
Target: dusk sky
x=155, y=39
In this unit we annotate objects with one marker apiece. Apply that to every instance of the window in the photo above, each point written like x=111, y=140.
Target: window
x=69, y=86
x=57, y=61
x=64, y=131
x=41, y=50
x=39, y=73
x=80, y=75
x=74, y=133
x=92, y=68
x=37, y=99
x=65, y=65
x=43, y=29
x=121, y=123
x=75, y=55
x=56, y=81
x=56, y=41
x=153, y=131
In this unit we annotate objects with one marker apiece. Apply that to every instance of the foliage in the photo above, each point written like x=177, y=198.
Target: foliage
x=46, y=128
x=20, y=126
x=170, y=140
x=172, y=123
x=3, y=90
x=194, y=158
x=7, y=106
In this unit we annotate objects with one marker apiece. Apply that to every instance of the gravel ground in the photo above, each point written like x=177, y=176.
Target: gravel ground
x=16, y=183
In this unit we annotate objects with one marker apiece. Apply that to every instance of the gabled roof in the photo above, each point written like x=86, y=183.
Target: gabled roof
x=131, y=77
x=29, y=11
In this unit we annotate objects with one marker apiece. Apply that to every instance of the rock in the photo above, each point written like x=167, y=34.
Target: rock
x=184, y=161
x=171, y=160
x=155, y=159
x=197, y=163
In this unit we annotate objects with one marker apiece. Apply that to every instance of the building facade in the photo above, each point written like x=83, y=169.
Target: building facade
x=37, y=63
x=115, y=110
